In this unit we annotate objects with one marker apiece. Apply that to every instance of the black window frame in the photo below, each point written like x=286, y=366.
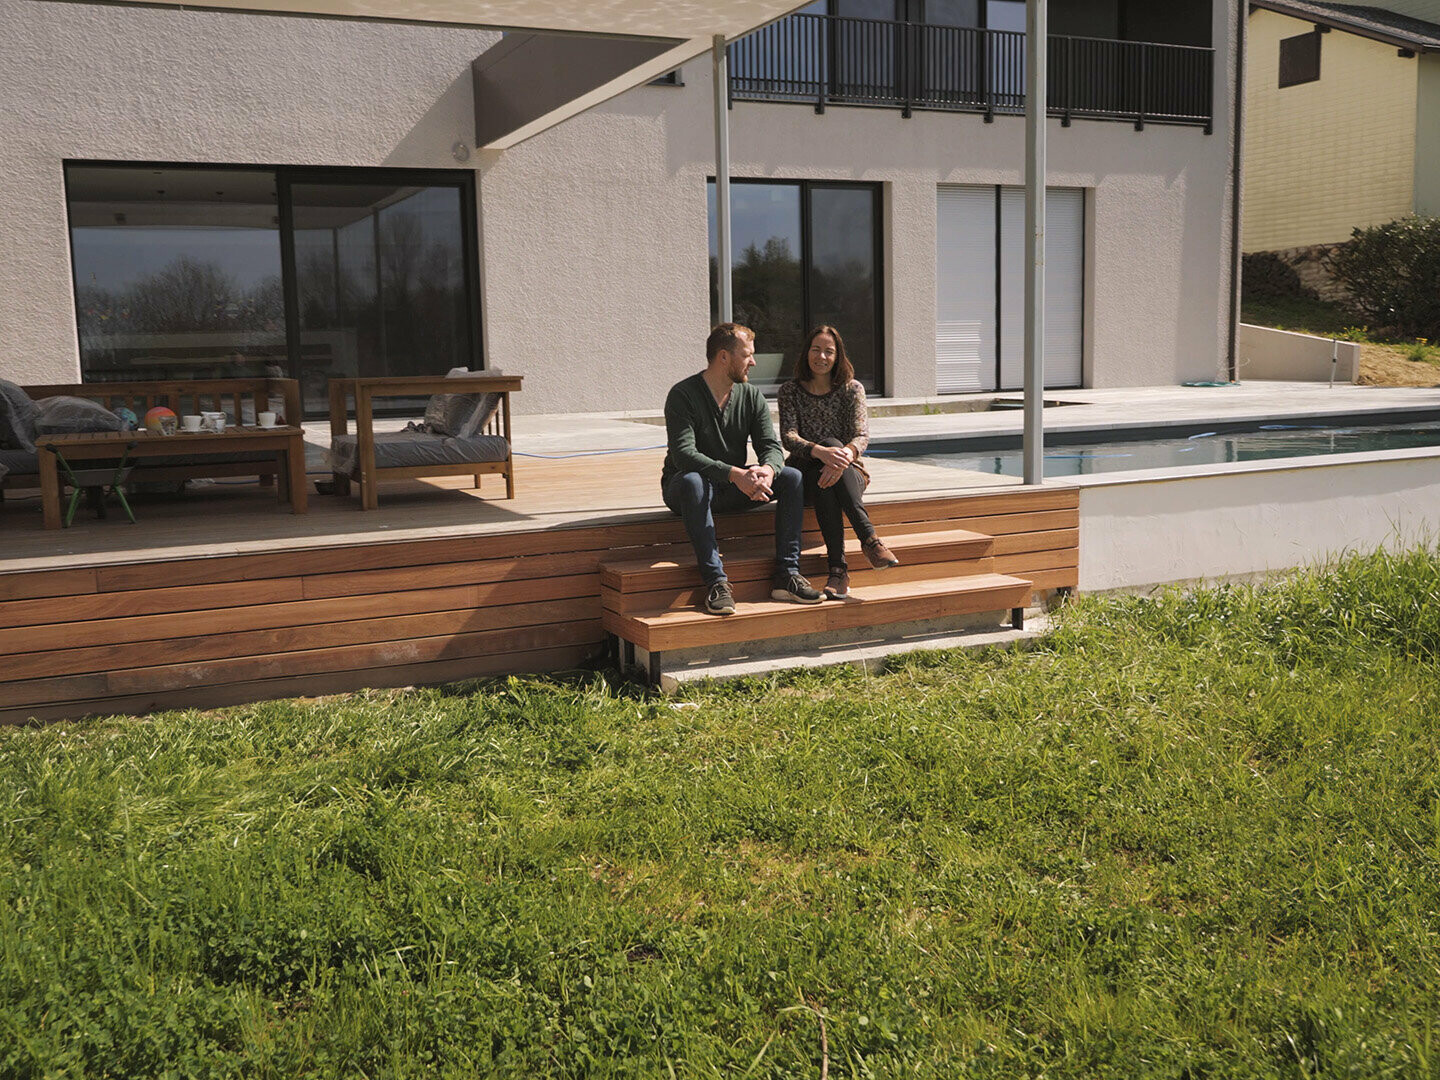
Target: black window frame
x=285, y=177
x=877, y=193
x=1300, y=59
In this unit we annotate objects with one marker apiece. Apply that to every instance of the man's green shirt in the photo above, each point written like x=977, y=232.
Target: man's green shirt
x=703, y=438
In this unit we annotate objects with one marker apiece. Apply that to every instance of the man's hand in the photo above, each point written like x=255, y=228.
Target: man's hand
x=755, y=481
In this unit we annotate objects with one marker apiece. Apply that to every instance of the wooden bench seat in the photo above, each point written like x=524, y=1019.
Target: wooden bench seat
x=652, y=602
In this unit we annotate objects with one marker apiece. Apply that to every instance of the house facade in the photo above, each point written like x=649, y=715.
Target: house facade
x=221, y=193
x=1343, y=119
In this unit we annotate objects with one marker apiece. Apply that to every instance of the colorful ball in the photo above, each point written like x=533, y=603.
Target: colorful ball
x=128, y=420
x=156, y=419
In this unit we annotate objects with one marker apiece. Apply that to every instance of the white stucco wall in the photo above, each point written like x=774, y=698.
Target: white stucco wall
x=596, y=233
x=1253, y=518
x=1266, y=353
x=593, y=235
x=151, y=84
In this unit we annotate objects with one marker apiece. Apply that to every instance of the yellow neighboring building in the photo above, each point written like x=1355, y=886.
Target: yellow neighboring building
x=1342, y=122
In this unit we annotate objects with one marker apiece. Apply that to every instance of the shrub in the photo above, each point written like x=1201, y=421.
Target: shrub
x=1393, y=274
x=1266, y=276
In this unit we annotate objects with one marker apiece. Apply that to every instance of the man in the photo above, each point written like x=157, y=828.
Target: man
x=709, y=417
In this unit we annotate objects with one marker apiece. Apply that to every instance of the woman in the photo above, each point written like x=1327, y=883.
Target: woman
x=824, y=425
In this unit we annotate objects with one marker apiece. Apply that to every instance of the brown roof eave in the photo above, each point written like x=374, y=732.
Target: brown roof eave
x=1397, y=39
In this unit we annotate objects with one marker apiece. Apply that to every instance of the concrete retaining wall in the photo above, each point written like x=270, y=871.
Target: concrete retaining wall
x=1148, y=529
x=1280, y=354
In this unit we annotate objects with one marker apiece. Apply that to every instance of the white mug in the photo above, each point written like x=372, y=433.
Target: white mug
x=265, y=419
x=215, y=422
x=191, y=422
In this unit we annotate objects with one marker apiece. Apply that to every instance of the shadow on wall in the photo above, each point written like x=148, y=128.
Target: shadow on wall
x=431, y=142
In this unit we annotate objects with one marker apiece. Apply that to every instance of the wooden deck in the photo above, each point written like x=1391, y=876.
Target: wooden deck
x=219, y=598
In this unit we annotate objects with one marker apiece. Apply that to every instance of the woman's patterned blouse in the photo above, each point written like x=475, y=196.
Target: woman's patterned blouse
x=806, y=418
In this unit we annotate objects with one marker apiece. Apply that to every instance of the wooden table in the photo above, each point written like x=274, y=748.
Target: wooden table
x=286, y=442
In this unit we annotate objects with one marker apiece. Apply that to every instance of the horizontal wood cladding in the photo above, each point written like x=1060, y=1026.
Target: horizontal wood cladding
x=358, y=659
x=260, y=690
x=202, y=632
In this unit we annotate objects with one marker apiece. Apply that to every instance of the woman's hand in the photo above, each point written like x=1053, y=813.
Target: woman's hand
x=830, y=475
x=833, y=457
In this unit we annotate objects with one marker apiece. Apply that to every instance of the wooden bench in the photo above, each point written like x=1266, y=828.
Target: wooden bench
x=365, y=391
x=242, y=399
x=651, y=602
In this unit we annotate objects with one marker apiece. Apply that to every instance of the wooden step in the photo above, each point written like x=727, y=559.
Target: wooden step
x=904, y=601
x=673, y=565
x=757, y=588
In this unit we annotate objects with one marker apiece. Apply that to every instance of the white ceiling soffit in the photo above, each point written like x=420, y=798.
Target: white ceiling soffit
x=690, y=24
x=638, y=18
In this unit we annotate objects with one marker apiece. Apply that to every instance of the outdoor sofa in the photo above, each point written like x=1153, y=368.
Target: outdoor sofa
x=466, y=431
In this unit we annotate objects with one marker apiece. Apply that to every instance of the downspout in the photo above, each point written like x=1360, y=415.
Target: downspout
x=1237, y=178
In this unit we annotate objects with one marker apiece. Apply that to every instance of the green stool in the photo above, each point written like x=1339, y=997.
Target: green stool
x=100, y=480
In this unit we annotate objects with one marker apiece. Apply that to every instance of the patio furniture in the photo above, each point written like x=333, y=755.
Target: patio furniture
x=466, y=432
x=242, y=400
x=282, y=446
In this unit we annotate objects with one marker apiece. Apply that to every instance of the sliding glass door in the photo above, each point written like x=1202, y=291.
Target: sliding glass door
x=804, y=252
x=186, y=271
x=380, y=279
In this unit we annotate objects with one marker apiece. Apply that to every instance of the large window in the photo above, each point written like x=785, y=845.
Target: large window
x=186, y=271
x=804, y=253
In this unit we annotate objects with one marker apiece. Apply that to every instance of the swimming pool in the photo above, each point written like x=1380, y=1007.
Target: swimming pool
x=1077, y=454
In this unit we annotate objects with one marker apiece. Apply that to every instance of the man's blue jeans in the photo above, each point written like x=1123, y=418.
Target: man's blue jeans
x=697, y=501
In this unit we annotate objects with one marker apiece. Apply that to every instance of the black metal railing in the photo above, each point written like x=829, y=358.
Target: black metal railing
x=838, y=60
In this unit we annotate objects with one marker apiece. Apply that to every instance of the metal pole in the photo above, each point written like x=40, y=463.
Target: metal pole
x=722, y=177
x=1036, y=58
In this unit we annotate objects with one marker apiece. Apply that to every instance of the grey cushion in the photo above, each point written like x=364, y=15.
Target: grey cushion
x=445, y=414
x=17, y=418
x=20, y=462
x=69, y=415
x=480, y=416
x=461, y=415
x=406, y=449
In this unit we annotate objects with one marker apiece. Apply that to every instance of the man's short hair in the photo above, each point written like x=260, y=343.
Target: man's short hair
x=724, y=338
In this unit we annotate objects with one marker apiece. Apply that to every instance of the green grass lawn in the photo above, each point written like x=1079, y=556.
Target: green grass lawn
x=1192, y=836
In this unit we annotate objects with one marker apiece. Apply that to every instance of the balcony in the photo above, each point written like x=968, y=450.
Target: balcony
x=825, y=60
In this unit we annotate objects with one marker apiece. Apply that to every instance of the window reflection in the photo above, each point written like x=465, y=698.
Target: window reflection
x=786, y=278
x=177, y=272
x=380, y=281
x=185, y=272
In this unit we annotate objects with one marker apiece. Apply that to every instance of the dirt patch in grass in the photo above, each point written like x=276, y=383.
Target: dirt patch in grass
x=1389, y=365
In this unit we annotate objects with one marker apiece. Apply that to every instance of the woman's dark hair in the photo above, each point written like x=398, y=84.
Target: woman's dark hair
x=840, y=374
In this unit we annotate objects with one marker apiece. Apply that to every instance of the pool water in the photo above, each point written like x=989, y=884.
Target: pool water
x=1268, y=442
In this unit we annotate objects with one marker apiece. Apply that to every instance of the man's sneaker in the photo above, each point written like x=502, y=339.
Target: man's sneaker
x=837, y=585
x=719, y=600
x=791, y=586
x=879, y=555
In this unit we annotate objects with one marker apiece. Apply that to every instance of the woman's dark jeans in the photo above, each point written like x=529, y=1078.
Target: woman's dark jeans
x=842, y=499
